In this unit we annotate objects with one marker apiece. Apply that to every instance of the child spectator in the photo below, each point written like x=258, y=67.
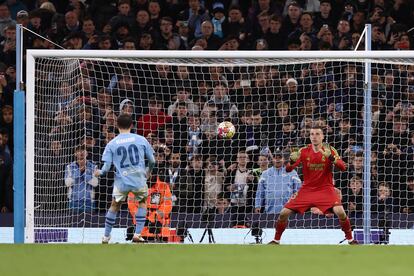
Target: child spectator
x=218, y=19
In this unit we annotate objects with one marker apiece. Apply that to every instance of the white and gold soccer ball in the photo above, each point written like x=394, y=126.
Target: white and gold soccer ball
x=226, y=130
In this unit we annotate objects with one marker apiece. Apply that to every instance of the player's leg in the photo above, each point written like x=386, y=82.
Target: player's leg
x=140, y=215
x=110, y=219
x=345, y=223
x=140, y=218
x=281, y=224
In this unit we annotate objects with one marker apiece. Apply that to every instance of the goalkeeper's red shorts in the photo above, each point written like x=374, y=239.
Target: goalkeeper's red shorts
x=324, y=200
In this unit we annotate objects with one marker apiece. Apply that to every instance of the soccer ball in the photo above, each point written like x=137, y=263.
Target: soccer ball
x=226, y=130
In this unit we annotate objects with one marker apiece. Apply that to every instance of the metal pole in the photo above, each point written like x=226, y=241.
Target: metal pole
x=367, y=140
x=19, y=143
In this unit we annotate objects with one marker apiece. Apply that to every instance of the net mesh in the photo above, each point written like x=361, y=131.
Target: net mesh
x=177, y=105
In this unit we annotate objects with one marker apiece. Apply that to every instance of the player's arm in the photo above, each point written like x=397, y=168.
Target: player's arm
x=149, y=154
x=107, y=159
x=296, y=182
x=260, y=193
x=295, y=160
x=68, y=176
x=332, y=154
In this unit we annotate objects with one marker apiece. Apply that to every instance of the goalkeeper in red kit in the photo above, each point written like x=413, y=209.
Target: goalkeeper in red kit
x=318, y=187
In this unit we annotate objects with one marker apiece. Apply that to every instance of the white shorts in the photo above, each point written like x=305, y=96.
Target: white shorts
x=140, y=194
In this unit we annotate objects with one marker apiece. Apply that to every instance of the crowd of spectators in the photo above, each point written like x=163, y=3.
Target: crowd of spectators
x=178, y=108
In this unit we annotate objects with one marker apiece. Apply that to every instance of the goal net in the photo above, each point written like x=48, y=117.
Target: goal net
x=214, y=183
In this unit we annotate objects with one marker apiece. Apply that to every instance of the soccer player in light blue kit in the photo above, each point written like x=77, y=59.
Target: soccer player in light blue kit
x=128, y=152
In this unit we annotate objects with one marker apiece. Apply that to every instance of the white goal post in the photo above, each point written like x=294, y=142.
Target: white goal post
x=383, y=62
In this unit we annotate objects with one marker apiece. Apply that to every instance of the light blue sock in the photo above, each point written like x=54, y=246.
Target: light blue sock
x=140, y=220
x=109, y=222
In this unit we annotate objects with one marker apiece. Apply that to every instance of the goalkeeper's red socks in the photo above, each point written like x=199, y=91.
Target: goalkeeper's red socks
x=280, y=226
x=346, y=227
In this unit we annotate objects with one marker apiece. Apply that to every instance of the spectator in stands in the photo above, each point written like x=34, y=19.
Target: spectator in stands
x=383, y=203
x=170, y=143
x=222, y=204
x=342, y=40
x=142, y=23
x=73, y=41
x=231, y=43
x=195, y=177
x=146, y=42
x=263, y=25
x=154, y=10
x=291, y=21
x=6, y=141
x=183, y=96
x=8, y=45
x=91, y=147
x=6, y=122
x=218, y=19
x=124, y=16
x=194, y=136
x=305, y=26
x=341, y=138
x=407, y=196
x=235, y=25
x=357, y=165
x=358, y=21
x=293, y=96
x=6, y=175
x=325, y=15
x=282, y=112
x=154, y=120
x=167, y=35
x=5, y=19
x=22, y=17
x=122, y=31
x=274, y=37
x=311, y=6
x=195, y=15
x=177, y=179
x=180, y=125
x=72, y=23
x=81, y=182
x=263, y=6
x=353, y=196
x=88, y=28
x=221, y=100
x=259, y=167
x=239, y=183
x=379, y=40
x=326, y=38
x=129, y=44
x=207, y=33
x=288, y=136
x=213, y=183
x=305, y=42
x=276, y=186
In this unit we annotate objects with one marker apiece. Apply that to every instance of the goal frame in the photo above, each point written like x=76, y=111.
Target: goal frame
x=31, y=55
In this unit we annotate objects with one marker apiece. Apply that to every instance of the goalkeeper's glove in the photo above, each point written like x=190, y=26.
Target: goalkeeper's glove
x=326, y=151
x=294, y=156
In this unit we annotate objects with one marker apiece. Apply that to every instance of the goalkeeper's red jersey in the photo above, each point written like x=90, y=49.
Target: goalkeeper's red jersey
x=317, y=169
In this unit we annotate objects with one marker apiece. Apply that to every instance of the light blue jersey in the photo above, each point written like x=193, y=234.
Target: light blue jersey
x=128, y=152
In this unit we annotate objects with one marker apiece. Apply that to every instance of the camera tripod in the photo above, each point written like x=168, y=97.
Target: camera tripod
x=209, y=231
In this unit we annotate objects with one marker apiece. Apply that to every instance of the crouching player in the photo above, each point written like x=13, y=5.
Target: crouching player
x=318, y=188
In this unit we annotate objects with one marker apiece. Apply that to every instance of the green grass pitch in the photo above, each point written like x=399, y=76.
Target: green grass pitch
x=203, y=260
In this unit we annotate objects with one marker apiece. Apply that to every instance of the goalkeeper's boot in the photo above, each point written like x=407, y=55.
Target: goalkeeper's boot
x=274, y=242
x=105, y=240
x=353, y=242
x=137, y=238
